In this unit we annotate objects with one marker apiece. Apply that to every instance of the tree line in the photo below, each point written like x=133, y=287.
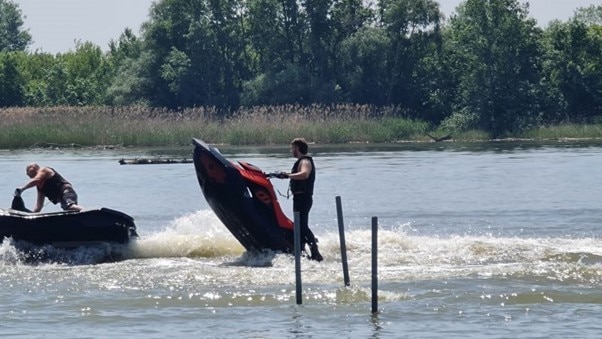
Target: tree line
x=489, y=66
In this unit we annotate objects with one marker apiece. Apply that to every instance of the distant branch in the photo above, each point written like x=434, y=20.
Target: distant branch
x=447, y=137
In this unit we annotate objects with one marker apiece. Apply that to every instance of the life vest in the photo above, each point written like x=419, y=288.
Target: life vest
x=303, y=186
x=53, y=187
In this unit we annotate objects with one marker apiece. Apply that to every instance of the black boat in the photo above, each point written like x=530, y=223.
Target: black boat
x=66, y=229
x=243, y=199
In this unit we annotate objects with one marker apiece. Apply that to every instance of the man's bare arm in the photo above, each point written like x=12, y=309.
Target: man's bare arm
x=304, y=171
x=38, y=179
x=39, y=202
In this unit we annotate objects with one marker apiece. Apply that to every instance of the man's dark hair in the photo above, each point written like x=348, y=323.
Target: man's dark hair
x=301, y=144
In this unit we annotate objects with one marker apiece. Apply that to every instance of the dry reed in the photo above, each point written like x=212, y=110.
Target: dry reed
x=144, y=126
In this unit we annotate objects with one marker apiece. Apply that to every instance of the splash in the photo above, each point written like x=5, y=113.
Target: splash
x=9, y=254
x=22, y=253
x=408, y=257
x=398, y=248
x=199, y=234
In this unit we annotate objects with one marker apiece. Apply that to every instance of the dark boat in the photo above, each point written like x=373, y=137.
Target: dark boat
x=67, y=228
x=243, y=199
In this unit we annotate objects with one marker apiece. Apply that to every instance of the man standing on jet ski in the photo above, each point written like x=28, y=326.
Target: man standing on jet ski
x=302, y=178
x=52, y=185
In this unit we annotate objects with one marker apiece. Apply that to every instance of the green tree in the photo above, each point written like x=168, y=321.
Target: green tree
x=290, y=85
x=88, y=75
x=329, y=24
x=413, y=28
x=277, y=31
x=12, y=36
x=295, y=32
x=320, y=37
x=34, y=68
x=495, y=55
x=266, y=36
x=76, y=78
x=195, y=53
x=573, y=70
x=364, y=68
x=173, y=71
x=127, y=46
x=227, y=25
x=128, y=78
x=591, y=16
x=348, y=18
x=169, y=27
x=12, y=83
x=56, y=79
x=297, y=49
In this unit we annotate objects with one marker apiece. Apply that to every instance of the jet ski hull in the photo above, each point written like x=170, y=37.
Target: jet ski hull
x=67, y=228
x=243, y=199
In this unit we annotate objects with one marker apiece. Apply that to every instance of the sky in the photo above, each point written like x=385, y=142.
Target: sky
x=55, y=25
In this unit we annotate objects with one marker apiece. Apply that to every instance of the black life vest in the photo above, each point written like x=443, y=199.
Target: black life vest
x=303, y=186
x=53, y=187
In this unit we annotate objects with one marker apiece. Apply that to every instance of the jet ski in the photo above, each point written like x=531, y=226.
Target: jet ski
x=65, y=229
x=243, y=199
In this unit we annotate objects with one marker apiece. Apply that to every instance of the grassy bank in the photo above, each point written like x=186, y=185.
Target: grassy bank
x=139, y=126
x=576, y=131
x=142, y=126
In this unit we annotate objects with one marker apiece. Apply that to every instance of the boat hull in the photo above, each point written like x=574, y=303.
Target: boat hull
x=243, y=199
x=67, y=228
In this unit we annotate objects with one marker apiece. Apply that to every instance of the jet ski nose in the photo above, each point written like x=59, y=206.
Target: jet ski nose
x=18, y=204
x=210, y=169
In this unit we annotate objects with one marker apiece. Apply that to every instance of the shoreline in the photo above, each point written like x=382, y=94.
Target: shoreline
x=510, y=140
x=126, y=127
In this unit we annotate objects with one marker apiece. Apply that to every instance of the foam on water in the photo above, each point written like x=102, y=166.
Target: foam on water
x=200, y=236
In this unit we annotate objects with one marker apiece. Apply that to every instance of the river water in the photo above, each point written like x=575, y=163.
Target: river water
x=475, y=240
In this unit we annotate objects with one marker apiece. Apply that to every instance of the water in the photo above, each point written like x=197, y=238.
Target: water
x=476, y=240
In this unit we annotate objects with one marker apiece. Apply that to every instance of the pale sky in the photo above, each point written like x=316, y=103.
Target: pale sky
x=55, y=25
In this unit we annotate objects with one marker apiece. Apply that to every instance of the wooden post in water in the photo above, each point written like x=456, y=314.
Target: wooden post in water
x=342, y=240
x=297, y=232
x=374, y=264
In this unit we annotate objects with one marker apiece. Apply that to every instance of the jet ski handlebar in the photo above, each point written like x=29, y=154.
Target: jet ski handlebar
x=279, y=175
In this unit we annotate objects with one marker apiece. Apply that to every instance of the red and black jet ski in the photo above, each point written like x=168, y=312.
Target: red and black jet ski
x=243, y=199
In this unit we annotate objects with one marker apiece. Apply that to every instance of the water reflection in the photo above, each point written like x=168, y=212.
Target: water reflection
x=376, y=325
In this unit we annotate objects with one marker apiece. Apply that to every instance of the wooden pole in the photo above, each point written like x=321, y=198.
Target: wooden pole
x=297, y=231
x=342, y=240
x=374, y=264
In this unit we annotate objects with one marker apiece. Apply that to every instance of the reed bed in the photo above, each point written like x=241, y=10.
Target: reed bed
x=565, y=131
x=144, y=126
